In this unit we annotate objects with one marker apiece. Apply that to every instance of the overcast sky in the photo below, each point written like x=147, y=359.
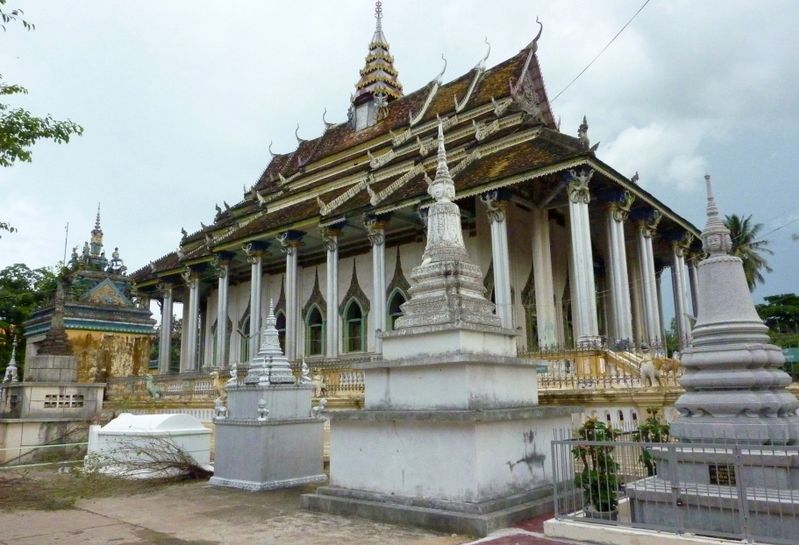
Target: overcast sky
x=180, y=99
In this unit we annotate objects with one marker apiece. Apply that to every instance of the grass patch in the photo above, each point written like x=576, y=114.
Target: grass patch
x=48, y=490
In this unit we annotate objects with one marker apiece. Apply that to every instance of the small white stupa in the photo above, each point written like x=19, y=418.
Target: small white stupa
x=269, y=437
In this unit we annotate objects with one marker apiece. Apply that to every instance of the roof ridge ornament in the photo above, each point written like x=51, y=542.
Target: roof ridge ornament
x=413, y=119
x=327, y=123
x=272, y=153
x=297, y=135
x=479, y=68
x=516, y=86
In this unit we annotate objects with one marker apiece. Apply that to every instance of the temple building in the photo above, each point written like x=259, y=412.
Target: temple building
x=109, y=330
x=573, y=251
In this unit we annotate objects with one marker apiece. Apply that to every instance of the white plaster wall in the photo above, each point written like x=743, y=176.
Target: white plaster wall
x=483, y=461
x=482, y=386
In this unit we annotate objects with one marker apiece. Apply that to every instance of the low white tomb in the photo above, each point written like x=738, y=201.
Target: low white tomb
x=126, y=444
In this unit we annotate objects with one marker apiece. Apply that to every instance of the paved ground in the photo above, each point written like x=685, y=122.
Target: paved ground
x=198, y=514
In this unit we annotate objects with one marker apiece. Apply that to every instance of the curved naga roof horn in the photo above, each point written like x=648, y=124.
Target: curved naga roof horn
x=413, y=119
x=327, y=123
x=297, y=134
x=478, y=69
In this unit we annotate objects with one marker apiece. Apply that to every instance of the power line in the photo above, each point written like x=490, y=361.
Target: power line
x=602, y=51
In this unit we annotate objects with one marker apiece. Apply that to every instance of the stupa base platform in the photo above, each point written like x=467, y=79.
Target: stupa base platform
x=256, y=486
x=466, y=471
x=477, y=519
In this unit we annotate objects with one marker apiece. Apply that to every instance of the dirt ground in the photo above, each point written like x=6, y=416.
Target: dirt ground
x=43, y=508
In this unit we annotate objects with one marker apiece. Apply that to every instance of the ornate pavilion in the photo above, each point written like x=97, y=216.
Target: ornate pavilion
x=574, y=250
x=109, y=332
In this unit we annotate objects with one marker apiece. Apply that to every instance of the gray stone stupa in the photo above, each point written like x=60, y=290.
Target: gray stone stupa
x=269, y=437
x=736, y=472
x=734, y=382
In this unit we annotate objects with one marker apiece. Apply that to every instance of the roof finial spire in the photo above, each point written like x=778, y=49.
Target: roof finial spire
x=442, y=188
x=716, y=238
x=97, y=221
x=378, y=76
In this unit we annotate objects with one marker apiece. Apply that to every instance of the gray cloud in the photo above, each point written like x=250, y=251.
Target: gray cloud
x=180, y=100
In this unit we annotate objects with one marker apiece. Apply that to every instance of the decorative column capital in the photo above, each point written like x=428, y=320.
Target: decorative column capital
x=648, y=223
x=165, y=288
x=330, y=237
x=220, y=264
x=495, y=206
x=578, y=185
x=190, y=276
x=620, y=207
x=254, y=251
x=682, y=245
x=376, y=228
x=290, y=241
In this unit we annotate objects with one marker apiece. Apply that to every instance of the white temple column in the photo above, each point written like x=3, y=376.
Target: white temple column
x=646, y=231
x=584, y=290
x=377, y=238
x=499, y=255
x=255, y=256
x=165, y=339
x=546, y=315
x=636, y=294
x=620, y=284
x=222, y=266
x=661, y=320
x=290, y=242
x=693, y=281
x=193, y=285
x=679, y=289
x=330, y=237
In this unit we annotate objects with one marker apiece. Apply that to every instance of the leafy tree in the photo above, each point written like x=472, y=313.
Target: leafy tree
x=781, y=314
x=747, y=245
x=13, y=15
x=22, y=290
x=174, y=352
x=5, y=226
x=20, y=129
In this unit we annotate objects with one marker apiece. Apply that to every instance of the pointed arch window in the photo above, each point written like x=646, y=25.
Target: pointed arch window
x=314, y=332
x=280, y=325
x=395, y=301
x=354, y=327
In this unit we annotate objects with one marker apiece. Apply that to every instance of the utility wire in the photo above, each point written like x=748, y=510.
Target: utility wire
x=602, y=51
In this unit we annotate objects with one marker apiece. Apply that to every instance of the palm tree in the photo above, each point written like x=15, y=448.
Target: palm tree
x=747, y=246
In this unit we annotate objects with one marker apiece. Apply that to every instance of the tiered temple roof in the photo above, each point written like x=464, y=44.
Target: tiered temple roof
x=500, y=131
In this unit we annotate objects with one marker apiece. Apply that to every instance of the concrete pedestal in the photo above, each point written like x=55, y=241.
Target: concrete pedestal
x=467, y=471
x=451, y=441
x=283, y=449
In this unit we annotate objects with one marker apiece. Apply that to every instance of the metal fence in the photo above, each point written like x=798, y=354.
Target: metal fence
x=721, y=490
